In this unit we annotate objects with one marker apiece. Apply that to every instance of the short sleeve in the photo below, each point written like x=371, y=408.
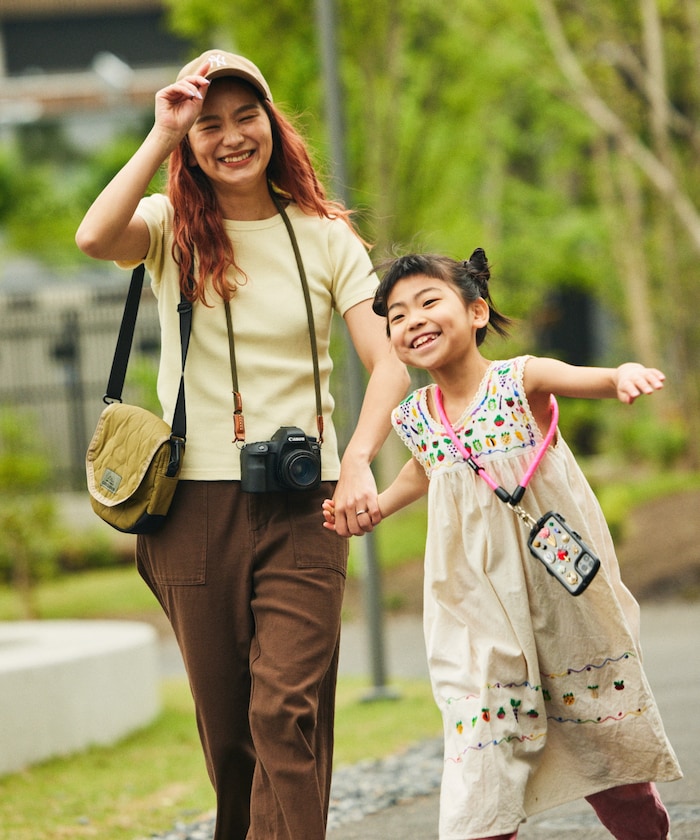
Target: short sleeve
x=354, y=278
x=157, y=213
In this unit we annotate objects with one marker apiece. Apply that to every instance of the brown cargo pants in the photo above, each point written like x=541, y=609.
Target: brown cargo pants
x=252, y=585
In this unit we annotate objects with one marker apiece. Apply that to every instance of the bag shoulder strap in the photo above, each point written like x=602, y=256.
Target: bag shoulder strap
x=125, y=338
x=122, y=351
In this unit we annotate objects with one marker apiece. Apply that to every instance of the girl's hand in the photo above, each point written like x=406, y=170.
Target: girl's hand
x=634, y=379
x=178, y=105
x=329, y=514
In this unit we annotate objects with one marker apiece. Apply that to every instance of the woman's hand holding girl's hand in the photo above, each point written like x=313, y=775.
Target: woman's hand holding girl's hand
x=329, y=516
x=634, y=379
x=355, y=499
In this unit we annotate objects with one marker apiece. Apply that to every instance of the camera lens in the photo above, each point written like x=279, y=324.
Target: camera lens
x=585, y=564
x=299, y=470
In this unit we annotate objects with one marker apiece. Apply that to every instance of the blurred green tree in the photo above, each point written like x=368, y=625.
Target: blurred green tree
x=560, y=135
x=28, y=517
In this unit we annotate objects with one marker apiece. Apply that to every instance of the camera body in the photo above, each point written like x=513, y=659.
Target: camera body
x=289, y=461
x=564, y=554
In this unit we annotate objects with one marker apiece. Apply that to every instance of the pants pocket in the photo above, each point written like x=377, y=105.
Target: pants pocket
x=176, y=554
x=314, y=545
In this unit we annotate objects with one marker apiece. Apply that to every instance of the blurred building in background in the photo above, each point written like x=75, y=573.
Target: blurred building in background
x=88, y=63
x=83, y=71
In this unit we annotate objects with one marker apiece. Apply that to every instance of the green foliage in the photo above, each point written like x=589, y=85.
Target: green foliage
x=141, y=381
x=34, y=544
x=24, y=466
x=581, y=424
x=27, y=514
x=38, y=209
x=46, y=186
x=198, y=21
x=83, y=550
x=620, y=495
x=641, y=437
x=101, y=166
x=15, y=184
x=26, y=550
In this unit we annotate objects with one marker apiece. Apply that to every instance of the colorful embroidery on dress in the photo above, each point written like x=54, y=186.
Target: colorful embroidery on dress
x=517, y=706
x=499, y=422
x=616, y=717
x=458, y=759
x=592, y=666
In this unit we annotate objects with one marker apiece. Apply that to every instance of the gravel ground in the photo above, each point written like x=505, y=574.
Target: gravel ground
x=360, y=789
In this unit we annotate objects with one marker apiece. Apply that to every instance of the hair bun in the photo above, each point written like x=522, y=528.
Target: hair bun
x=478, y=260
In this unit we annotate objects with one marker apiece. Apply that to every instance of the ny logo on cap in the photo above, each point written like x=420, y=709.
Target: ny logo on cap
x=218, y=61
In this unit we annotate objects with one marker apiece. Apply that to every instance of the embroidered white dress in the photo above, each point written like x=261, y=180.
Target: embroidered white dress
x=543, y=695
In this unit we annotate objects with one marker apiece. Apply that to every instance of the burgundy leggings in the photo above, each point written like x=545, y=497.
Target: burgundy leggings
x=630, y=812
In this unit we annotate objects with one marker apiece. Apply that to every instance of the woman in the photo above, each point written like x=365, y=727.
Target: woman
x=250, y=581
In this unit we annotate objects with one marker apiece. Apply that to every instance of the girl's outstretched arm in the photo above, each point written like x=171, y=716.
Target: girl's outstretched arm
x=543, y=377
x=409, y=485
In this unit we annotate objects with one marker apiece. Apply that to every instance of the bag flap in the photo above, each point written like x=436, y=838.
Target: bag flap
x=121, y=450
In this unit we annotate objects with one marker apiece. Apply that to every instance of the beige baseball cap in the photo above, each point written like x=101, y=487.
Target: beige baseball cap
x=223, y=63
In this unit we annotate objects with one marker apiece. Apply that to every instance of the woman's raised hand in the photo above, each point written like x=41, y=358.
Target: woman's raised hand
x=178, y=105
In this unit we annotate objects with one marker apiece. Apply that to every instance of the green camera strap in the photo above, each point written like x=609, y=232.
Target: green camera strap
x=238, y=419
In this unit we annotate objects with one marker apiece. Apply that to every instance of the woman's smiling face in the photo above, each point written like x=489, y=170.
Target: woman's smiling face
x=231, y=140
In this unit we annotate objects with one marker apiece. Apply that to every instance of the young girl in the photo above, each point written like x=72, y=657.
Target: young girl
x=543, y=695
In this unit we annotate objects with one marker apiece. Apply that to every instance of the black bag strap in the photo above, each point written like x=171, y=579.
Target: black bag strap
x=122, y=351
x=125, y=338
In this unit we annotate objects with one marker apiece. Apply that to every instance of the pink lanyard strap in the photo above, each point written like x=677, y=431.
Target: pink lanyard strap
x=517, y=494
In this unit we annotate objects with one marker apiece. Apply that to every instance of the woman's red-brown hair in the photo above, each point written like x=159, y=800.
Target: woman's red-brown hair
x=198, y=222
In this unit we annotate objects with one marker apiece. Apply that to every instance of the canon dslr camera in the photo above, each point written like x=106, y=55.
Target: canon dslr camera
x=290, y=461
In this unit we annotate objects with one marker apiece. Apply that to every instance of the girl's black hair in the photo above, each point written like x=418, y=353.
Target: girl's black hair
x=470, y=278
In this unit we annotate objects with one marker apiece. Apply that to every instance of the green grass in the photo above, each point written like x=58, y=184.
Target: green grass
x=126, y=791
x=156, y=776
x=378, y=728
x=103, y=593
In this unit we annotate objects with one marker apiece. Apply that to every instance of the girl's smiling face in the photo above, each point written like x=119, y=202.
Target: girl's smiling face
x=430, y=325
x=231, y=140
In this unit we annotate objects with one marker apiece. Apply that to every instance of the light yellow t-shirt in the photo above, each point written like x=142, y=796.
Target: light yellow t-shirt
x=273, y=352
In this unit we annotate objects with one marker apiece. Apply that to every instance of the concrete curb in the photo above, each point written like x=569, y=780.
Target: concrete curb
x=66, y=685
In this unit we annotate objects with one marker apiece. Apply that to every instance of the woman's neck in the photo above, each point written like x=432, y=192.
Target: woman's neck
x=246, y=207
